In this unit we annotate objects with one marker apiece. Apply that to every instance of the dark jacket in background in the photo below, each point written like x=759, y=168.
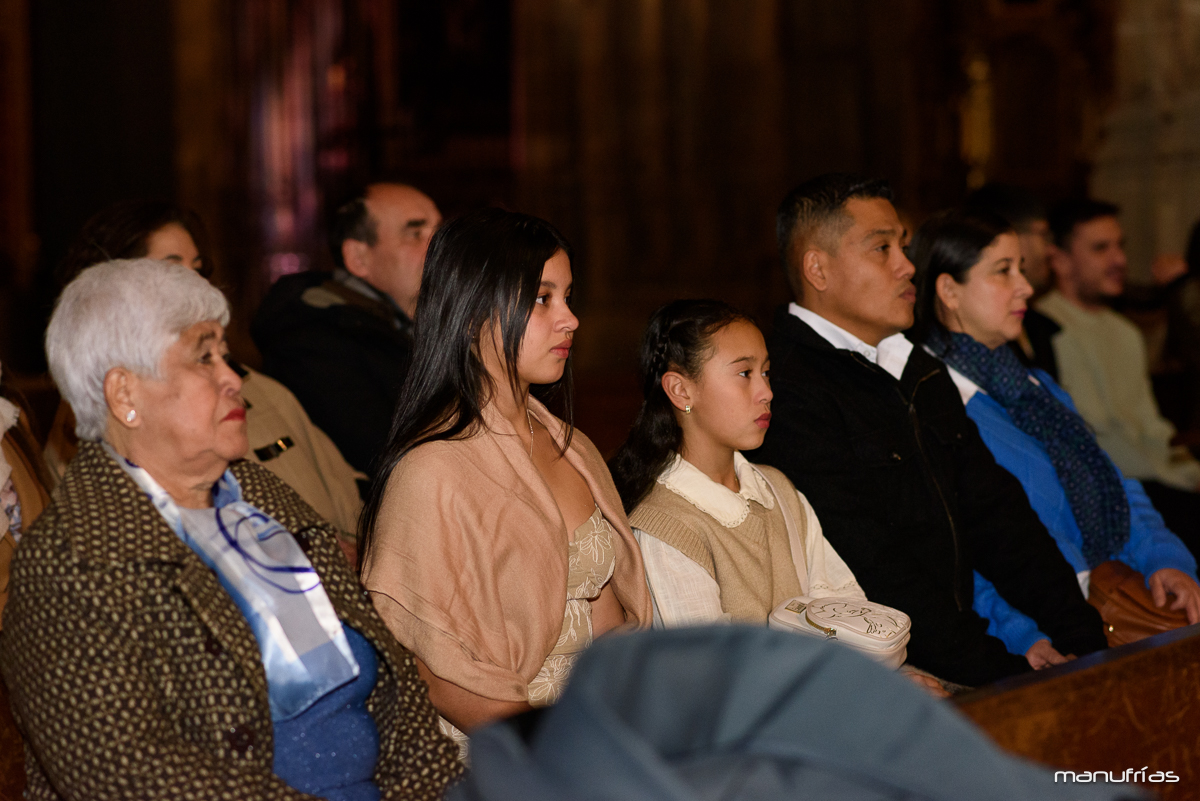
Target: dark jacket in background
x=1040, y=331
x=911, y=498
x=343, y=350
x=1183, y=345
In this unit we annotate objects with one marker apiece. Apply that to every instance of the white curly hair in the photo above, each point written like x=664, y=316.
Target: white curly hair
x=122, y=313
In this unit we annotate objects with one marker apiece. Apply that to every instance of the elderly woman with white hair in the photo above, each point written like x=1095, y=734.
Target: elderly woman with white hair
x=181, y=625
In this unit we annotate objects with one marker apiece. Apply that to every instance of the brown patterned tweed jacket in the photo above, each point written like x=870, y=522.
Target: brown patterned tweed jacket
x=133, y=674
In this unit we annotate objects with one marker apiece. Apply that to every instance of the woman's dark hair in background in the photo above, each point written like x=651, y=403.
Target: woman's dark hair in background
x=1014, y=203
x=679, y=337
x=122, y=231
x=949, y=242
x=483, y=268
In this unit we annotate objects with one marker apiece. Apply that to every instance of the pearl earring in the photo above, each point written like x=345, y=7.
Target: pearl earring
x=687, y=409
x=129, y=417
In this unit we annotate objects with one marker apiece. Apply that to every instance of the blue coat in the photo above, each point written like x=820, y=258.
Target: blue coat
x=740, y=713
x=1151, y=545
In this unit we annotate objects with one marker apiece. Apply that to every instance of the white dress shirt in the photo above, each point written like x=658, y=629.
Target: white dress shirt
x=891, y=353
x=683, y=592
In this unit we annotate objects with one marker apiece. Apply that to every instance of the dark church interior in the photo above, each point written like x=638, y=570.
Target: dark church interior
x=658, y=137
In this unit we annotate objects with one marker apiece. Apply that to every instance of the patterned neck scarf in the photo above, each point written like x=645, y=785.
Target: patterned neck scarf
x=304, y=648
x=1091, y=482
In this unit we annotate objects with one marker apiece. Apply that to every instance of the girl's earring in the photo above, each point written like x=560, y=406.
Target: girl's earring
x=687, y=409
x=129, y=417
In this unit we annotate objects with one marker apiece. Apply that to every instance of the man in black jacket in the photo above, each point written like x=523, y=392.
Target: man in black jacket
x=873, y=432
x=342, y=341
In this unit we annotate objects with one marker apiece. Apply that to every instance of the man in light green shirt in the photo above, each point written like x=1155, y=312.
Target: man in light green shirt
x=1102, y=362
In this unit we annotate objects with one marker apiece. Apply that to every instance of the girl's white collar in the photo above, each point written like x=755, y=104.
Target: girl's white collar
x=727, y=507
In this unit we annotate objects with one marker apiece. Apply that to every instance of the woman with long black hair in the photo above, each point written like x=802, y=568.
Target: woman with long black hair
x=493, y=540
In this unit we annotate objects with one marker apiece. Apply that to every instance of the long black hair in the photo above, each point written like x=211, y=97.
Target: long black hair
x=485, y=267
x=679, y=338
x=950, y=243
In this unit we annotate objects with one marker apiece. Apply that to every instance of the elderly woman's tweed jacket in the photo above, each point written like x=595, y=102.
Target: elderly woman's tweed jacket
x=134, y=675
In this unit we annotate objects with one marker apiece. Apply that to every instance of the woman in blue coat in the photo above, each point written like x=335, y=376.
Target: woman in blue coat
x=971, y=301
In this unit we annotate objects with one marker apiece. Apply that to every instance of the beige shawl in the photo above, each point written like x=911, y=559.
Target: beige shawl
x=469, y=561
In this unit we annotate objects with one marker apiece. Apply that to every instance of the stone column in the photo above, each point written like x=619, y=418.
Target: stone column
x=1149, y=157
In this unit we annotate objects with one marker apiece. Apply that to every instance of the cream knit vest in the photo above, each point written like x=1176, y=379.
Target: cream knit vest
x=751, y=563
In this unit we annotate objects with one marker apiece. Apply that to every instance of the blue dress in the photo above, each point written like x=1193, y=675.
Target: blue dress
x=330, y=749
x=1151, y=545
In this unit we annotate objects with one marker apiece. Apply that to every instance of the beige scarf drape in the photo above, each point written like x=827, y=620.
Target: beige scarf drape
x=469, y=562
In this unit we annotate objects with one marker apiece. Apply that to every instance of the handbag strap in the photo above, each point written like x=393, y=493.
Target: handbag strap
x=797, y=545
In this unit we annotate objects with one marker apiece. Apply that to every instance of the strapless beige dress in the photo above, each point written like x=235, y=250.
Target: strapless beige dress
x=590, y=564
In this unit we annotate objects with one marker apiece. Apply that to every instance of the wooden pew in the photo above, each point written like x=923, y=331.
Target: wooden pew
x=1133, y=707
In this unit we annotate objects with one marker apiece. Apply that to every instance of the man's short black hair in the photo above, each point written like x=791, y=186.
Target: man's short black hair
x=352, y=220
x=1013, y=203
x=816, y=203
x=1068, y=214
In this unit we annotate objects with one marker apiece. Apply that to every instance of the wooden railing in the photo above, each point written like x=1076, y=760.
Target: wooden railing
x=1128, y=708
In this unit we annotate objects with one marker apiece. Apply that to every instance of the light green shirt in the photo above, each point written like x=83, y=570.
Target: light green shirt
x=1102, y=364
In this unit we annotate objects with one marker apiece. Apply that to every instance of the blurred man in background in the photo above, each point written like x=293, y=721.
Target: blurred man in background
x=1103, y=365
x=342, y=342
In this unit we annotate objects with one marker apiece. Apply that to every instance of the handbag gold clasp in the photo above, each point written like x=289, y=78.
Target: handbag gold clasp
x=830, y=633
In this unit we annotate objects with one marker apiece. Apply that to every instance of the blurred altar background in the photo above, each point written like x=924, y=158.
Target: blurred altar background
x=658, y=135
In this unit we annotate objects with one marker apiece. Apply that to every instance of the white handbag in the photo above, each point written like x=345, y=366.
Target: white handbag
x=877, y=631
x=874, y=630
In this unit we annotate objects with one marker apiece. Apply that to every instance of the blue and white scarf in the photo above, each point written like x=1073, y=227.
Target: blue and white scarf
x=1091, y=482
x=304, y=649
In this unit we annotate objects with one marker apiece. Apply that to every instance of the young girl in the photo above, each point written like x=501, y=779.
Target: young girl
x=493, y=540
x=710, y=523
